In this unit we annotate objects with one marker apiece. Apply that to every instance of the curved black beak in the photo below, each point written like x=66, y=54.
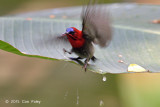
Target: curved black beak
x=64, y=34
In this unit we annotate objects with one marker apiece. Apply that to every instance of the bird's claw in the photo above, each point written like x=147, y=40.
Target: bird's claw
x=64, y=50
x=85, y=67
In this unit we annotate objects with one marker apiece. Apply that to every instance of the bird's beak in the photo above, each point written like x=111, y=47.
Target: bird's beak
x=66, y=33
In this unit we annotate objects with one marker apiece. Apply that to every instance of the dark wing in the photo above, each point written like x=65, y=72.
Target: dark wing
x=61, y=38
x=96, y=24
x=56, y=39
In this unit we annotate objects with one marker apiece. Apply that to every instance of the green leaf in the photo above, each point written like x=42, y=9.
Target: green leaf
x=135, y=41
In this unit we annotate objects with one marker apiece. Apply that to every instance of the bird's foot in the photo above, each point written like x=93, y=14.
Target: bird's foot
x=64, y=50
x=94, y=59
x=85, y=65
x=75, y=58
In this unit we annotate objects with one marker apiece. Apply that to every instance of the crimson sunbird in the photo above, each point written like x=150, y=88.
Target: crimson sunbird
x=95, y=29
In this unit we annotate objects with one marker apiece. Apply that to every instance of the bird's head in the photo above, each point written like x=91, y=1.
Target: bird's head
x=72, y=33
x=69, y=31
x=74, y=36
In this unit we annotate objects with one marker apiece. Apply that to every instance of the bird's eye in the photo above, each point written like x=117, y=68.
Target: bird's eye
x=72, y=33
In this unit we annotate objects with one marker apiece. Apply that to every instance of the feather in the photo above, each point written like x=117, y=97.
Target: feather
x=96, y=24
x=56, y=38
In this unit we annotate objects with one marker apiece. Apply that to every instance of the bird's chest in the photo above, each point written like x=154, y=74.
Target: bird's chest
x=86, y=51
x=76, y=42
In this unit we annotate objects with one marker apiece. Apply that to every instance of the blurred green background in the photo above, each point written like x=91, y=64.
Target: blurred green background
x=62, y=84
x=20, y=6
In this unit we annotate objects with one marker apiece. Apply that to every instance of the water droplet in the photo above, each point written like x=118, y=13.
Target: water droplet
x=101, y=103
x=28, y=18
x=100, y=70
x=52, y=16
x=66, y=94
x=120, y=61
x=104, y=78
x=77, y=97
x=156, y=21
x=120, y=56
x=24, y=52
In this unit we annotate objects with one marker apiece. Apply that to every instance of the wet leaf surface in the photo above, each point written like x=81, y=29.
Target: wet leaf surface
x=136, y=38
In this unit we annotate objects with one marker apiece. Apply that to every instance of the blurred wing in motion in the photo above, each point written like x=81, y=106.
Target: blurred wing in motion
x=96, y=24
x=61, y=38
x=56, y=38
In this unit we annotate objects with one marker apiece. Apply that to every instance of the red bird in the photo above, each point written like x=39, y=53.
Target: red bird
x=95, y=29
